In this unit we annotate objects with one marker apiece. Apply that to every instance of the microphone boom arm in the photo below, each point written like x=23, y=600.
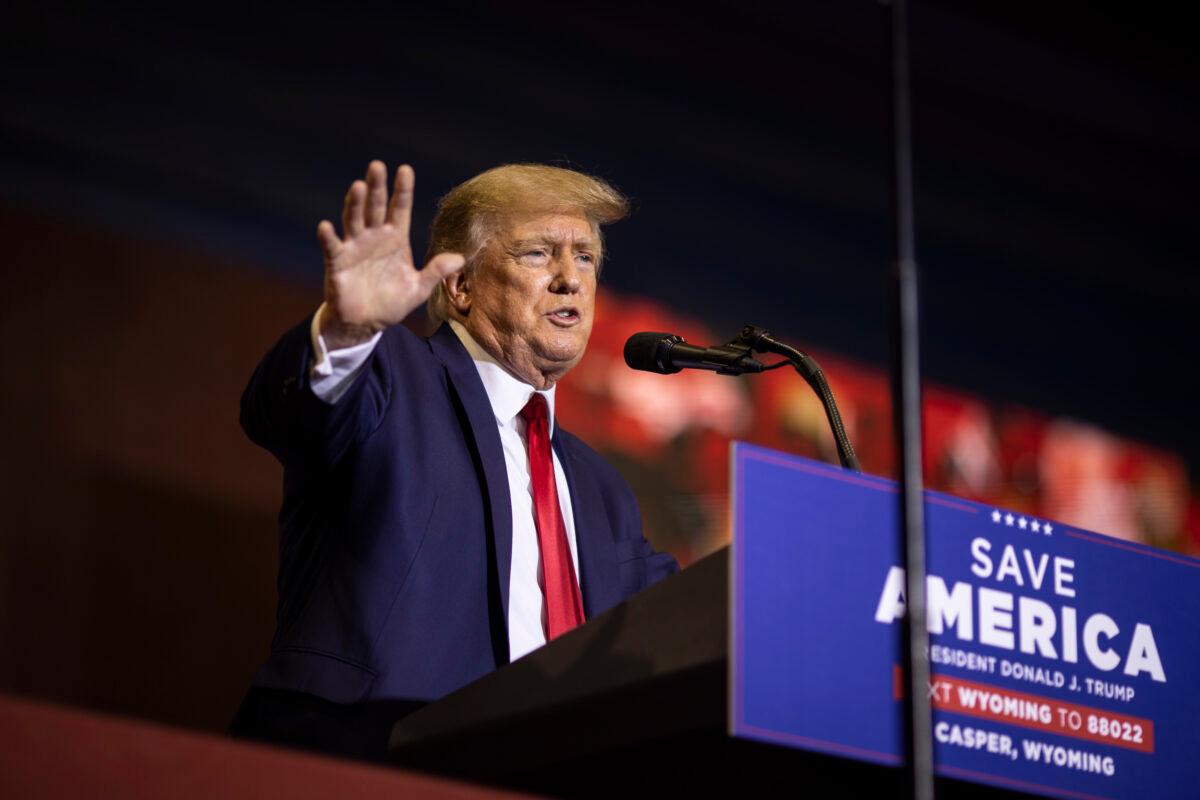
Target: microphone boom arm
x=759, y=340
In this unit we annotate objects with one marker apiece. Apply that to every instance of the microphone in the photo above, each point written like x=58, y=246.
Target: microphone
x=666, y=354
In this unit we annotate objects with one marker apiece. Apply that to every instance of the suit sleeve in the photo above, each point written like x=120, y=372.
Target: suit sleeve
x=659, y=565
x=281, y=413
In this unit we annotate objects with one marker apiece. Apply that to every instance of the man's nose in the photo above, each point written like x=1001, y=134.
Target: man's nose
x=567, y=279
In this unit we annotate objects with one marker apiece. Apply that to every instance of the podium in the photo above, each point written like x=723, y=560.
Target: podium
x=633, y=703
x=1064, y=662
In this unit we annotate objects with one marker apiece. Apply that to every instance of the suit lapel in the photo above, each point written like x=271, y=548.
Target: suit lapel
x=598, y=578
x=469, y=388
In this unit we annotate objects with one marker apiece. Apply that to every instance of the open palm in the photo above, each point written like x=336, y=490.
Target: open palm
x=371, y=281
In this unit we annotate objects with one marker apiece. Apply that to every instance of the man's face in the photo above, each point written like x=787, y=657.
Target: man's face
x=531, y=299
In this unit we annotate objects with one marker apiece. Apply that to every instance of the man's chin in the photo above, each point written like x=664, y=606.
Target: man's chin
x=559, y=359
x=561, y=345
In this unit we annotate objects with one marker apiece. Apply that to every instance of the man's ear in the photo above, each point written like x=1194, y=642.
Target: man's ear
x=458, y=289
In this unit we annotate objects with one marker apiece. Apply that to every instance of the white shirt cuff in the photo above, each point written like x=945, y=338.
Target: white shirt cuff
x=333, y=371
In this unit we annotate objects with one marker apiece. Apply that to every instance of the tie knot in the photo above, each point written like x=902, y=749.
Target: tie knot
x=535, y=409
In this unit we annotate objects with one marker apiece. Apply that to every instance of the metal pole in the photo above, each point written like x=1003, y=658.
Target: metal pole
x=906, y=405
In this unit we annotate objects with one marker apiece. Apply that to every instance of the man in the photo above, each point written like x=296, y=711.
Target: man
x=436, y=523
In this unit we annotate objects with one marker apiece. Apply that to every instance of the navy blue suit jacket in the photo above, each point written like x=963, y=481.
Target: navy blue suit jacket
x=396, y=524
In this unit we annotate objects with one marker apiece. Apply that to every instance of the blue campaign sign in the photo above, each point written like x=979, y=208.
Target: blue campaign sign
x=1064, y=662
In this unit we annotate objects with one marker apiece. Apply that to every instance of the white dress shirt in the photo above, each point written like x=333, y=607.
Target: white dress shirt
x=334, y=372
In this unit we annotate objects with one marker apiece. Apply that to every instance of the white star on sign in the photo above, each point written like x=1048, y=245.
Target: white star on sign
x=1008, y=520
x=996, y=516
x=1047, y=528
x=1022, y=523
x=1037, y=528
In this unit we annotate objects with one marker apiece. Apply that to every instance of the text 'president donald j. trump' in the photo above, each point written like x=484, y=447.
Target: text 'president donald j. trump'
x=436, y=523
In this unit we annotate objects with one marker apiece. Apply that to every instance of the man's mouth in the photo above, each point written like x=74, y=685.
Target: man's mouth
x=566, y=316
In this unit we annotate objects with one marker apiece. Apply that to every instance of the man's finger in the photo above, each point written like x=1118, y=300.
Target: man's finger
x=440, y=267
x=352, y=211
x=400, y=212
x=331, y=245
x=376, y=193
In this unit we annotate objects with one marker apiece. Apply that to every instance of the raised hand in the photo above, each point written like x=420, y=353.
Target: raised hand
x=370, y=279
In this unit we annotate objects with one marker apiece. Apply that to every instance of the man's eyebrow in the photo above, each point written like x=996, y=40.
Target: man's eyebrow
x=584, y=242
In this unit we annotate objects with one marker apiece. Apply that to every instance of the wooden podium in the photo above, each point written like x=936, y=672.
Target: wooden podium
x=633, y=703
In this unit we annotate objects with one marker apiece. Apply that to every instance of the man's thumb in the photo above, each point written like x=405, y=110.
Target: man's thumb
x=440, y=267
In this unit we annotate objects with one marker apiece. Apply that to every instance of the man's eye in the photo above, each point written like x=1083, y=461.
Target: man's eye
x=585, y=257
x=536, y=253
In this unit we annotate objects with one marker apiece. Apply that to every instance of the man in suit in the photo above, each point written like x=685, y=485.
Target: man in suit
x=436, y=523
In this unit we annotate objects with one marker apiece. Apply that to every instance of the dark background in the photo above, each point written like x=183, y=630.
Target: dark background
x=162, y=173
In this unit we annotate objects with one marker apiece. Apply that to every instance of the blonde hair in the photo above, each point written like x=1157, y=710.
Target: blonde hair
x=471, y=213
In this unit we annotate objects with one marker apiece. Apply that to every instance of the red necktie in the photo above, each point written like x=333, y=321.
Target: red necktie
x=564, y=609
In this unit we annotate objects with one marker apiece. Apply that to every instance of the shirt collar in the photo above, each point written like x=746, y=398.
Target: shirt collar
x=507, y=394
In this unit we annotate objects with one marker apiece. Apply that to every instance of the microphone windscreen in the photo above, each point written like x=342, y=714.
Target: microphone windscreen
x=645, y=351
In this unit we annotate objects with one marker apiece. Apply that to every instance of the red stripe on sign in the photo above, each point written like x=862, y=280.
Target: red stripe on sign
x=1041, y=713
